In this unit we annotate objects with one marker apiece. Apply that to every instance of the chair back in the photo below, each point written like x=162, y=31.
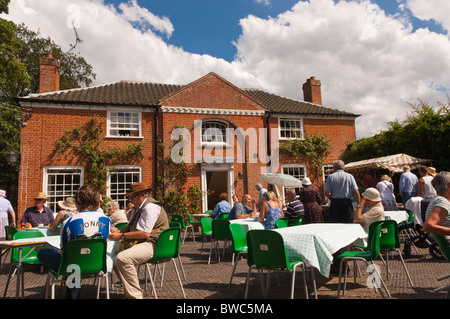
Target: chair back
x=167, y=245
x=206, y=225
x=281, y=223
x=389, y=235
x=266, y=249
x=120, y=225
x=89, y=254
x=221, y=229
x=239, y=237
x=179, y=219
x=374, y=238
x=298, y=221
x=174, y=225
x=32, y=257
x=10, y=231
x=224, y=216
x=443, y=246
x=209, y=211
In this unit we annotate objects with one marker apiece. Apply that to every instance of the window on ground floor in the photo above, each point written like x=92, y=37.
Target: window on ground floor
x=119, y=180
x=296, y=170
x=60, y=183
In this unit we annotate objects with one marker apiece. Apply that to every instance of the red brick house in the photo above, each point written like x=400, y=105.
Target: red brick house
x=211, y=109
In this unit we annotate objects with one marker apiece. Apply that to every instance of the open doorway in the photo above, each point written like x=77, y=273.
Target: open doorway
x=216, y=179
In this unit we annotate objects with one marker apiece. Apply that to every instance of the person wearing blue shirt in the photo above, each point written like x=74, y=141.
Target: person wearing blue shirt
x=340, y=188
x=87, y=223
x=222, y=207
x=242, y=209
x=408, y=184
x=261, y=191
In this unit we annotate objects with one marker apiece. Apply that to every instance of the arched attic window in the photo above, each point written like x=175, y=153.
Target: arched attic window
x=214, y=132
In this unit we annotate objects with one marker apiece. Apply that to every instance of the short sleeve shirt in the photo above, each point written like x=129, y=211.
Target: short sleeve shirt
x=442, y=202
x=373, y=214
x=34, y=217
x=341, y=185
x=239, y=209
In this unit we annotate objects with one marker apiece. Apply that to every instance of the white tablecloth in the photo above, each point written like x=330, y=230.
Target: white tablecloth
x=248, y=223
x=315, y=243
x=399, y=216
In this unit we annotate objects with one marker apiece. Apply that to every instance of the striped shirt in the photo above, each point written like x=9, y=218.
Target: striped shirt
x=294, y=209
x=442, y=202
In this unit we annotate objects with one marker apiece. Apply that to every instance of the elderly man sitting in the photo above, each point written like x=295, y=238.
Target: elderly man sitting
x=374, y=208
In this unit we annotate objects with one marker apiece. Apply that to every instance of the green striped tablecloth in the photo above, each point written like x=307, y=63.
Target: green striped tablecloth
x=315, y=243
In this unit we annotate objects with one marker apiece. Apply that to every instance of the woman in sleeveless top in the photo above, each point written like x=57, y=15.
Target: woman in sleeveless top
x=270, y=212
x=425, y=189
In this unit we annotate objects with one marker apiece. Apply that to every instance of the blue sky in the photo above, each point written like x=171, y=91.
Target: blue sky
x=373, y=58
x=211, y=26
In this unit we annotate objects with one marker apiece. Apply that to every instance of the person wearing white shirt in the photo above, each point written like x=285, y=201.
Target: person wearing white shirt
x=147, y=222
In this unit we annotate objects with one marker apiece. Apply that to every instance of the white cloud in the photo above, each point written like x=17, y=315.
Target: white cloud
x=438, y=10
x=369, y=63
x=265, y=2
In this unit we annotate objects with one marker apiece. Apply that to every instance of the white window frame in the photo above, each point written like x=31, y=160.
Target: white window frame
x=123, y=168
x=109, y=123
x=288, y=118
x=302, y=166
x=227, y=135
x=53, y=203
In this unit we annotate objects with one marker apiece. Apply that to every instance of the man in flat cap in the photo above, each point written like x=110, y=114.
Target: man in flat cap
x=144, y=228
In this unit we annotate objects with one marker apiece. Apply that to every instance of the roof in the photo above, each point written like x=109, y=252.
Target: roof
x=393, y=163
x=131, y=93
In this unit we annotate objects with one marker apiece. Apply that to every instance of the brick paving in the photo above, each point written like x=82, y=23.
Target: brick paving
x=209, y=282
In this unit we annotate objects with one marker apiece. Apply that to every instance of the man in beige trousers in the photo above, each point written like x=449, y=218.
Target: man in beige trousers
x=145, y=225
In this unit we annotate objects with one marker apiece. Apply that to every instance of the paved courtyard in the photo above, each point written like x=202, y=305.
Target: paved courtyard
x=211, y=281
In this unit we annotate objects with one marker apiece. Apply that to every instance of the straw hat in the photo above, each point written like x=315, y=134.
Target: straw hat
x=431, y=171
x=68, y=204
x=40, y=196
x=306, y=181
x=2, y=193
x=372, y=194
x=137, y=187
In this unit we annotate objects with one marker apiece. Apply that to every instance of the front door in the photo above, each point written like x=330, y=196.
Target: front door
x=216, y=179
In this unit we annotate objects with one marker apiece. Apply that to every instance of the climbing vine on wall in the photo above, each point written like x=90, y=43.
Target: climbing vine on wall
x=87, y=143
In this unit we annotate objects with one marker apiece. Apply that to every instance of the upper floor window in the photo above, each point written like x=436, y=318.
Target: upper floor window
x=124, y=124
x=214, y=132
x=290, y=128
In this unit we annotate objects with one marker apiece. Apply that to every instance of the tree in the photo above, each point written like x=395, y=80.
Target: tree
x=424, y=133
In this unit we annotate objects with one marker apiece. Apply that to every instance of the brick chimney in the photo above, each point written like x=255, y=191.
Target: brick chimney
x=311, y=91
x=49, y=74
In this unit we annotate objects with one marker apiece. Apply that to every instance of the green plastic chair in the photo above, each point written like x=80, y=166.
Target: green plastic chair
x=368, y=255
x=120, y=225
x=89, y=254
x=166, y=249
x=224, y=216
x=206, y=229
x=220, y=231
x=445, y=251
x=266, y=251
x=9, y=232
x=298, y=221
x=281, y=223
x=193, y=222
x=239, y=244
x=178, y=218
x=30, y=254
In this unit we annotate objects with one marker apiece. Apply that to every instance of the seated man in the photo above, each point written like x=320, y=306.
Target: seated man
x=37, y=214
x=374, y=208
x=295, y=207
x=87, y=222
x=144, y=228
x=242, y=209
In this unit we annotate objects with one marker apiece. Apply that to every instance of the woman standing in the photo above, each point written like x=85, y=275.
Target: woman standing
x=271, y=211
x=5, y=209
x=310, y=198
x=386, y=189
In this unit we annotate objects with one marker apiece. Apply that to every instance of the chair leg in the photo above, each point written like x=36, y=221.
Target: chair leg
x=381, y=279
x=248, y=282
x=210, y=250
x=179, y=279
x=340, y=276
x=404, y=266
x=151, y=280
x=181, y=265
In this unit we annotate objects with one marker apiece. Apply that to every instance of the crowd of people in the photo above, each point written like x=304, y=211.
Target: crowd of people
x=146, y=218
